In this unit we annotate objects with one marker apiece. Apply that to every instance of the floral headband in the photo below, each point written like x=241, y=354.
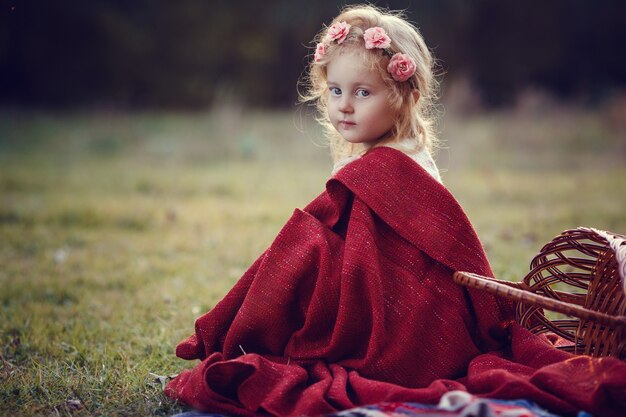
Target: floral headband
x=401, y=66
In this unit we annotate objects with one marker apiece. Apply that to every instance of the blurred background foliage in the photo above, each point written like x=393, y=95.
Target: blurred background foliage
x=194, y=53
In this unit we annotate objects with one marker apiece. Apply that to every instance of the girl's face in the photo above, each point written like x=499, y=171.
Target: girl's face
x=358, y=106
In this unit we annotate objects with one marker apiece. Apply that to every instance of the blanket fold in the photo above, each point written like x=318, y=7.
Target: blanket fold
x=353, y=303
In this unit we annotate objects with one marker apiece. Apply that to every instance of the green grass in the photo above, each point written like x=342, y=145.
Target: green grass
x=118, y=230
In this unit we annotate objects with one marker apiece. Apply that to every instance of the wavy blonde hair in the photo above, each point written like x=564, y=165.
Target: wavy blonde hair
x=416, y=118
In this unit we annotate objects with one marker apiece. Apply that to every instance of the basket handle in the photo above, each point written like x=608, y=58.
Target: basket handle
x=510, y=291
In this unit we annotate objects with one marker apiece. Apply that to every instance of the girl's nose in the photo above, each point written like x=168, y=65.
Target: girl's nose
x=345, y=105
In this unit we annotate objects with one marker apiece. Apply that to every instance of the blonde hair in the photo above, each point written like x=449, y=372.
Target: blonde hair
x=416, y=118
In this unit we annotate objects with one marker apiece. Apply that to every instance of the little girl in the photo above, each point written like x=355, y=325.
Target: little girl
x=389, y=86
x=353, y=303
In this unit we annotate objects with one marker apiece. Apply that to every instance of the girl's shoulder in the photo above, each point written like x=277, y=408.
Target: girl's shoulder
x=426, y=161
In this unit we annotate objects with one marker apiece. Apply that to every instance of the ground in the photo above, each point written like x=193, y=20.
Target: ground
x=118, y=229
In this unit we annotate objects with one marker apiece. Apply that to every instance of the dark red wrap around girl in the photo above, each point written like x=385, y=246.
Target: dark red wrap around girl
x=353, y=303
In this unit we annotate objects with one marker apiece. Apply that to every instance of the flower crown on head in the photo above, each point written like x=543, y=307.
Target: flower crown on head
x=401, y=66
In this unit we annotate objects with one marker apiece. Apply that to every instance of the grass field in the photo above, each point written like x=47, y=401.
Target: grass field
x=118, y=230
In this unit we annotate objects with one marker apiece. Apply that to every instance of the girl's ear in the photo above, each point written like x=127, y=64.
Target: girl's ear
x=416, y=95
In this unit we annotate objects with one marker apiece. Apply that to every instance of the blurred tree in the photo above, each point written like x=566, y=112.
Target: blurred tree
x=189, y=53
x=570, y=47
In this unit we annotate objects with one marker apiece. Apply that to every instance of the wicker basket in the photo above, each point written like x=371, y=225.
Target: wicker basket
x=580, y=273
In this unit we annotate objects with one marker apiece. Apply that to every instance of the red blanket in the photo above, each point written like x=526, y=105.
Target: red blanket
x=353, y=304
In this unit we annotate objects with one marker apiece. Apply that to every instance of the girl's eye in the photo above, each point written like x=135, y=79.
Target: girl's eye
x=362, y=93
x=334, y=91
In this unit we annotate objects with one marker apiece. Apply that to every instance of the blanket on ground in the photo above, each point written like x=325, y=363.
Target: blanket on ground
x=353, y=303
x=451, y=404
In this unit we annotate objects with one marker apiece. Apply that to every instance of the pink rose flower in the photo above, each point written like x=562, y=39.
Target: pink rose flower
x=401, y=67
x=376, y=37
x=320, y=51
x=338, y=32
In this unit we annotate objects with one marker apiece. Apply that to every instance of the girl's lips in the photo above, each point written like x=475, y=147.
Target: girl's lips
x=347, y=123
